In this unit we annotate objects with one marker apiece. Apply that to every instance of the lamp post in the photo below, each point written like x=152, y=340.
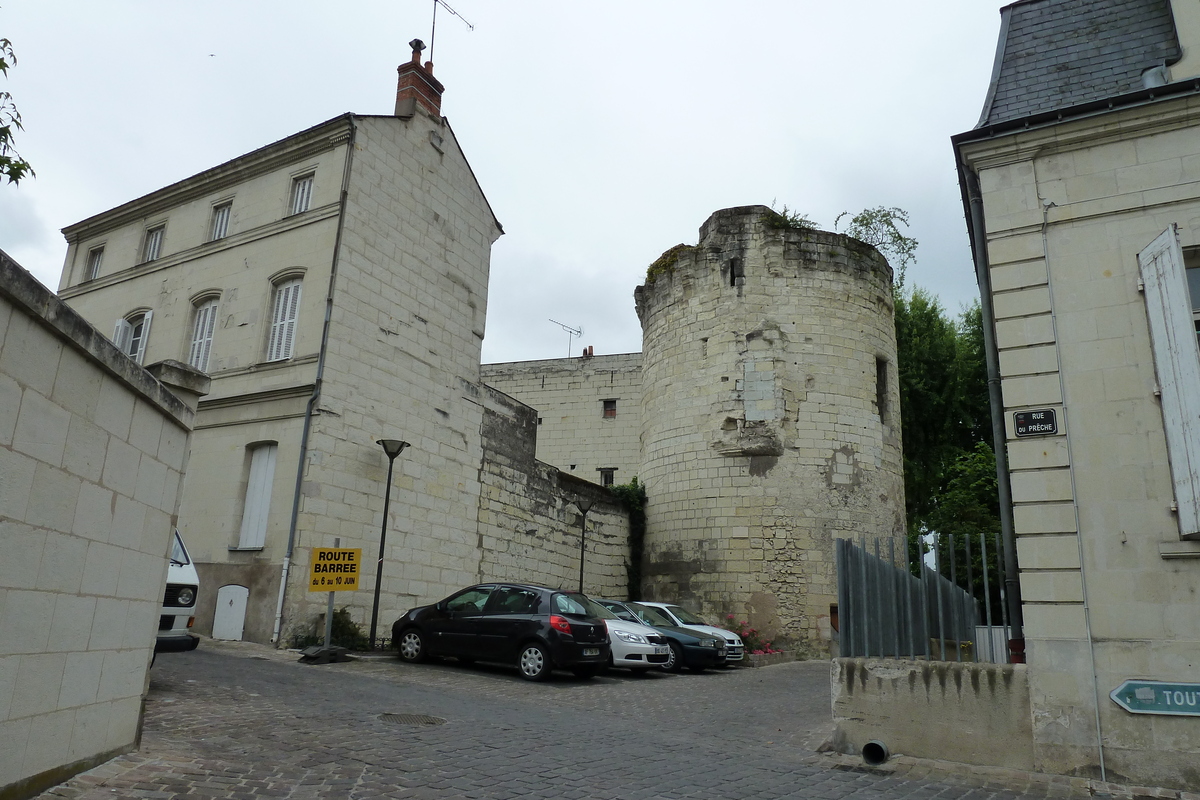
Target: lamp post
x=393, y=448
x=583, y=512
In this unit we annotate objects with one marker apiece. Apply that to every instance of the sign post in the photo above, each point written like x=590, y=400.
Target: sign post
x=333, y=569
x=1158, y=697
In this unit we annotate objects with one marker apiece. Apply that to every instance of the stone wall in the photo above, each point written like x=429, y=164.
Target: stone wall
x=574, y=434
x=770, y=419
x=92, y=453
x=967, y=712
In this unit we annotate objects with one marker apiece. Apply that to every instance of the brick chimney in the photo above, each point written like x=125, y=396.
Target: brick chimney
x=417, y=86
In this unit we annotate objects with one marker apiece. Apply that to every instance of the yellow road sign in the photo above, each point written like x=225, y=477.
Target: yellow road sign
x=334, y=569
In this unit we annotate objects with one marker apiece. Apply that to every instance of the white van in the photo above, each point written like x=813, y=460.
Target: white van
x=179, y=603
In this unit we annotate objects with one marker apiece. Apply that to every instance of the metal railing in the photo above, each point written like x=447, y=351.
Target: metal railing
x=941, y=599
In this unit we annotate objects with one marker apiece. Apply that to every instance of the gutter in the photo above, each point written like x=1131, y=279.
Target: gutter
x=316, y=394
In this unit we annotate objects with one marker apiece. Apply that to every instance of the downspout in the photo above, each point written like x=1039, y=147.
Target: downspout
x=1008, y=537
x=316, y=394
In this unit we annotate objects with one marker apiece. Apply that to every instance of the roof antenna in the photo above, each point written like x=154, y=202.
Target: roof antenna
x=433, y=31
x=570, y=332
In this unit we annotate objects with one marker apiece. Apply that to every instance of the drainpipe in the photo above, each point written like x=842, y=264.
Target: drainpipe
x=316, y=394
x=996, y=402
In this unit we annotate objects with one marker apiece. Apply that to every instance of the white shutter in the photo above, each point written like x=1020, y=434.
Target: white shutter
x=141, y=343
x=283, y=321
x=202, y=335
x=122, y=335
x=258, y=497
x=1177, y=362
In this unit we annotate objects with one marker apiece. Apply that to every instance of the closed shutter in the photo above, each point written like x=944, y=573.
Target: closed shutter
x=258, y=497
x=283, y=321
x=1177, y=363
x=122, y=335
x=202, y=335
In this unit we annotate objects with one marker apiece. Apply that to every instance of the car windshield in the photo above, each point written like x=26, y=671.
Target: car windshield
x=686, y=617
x=179, y=553
x=577, y=605
x=652, y=616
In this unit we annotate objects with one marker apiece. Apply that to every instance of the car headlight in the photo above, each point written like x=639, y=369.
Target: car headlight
x=186, y=595
x=708, y=642
x=632, y=638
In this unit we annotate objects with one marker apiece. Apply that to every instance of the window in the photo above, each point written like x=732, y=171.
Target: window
x=283, y=320
x=94, y=259
x=301, y=194
x=152, y=246
x=258, y=497
x=607, y=475
x=469, y=602
x=220, y=222
x=202, y=333
x=131, y=334
x=610, y=408
x=881, y=388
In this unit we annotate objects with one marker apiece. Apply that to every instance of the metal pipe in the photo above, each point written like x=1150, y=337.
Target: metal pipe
x=391, y=448
x=583, y=512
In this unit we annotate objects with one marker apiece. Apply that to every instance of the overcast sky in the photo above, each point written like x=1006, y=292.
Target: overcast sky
x=602, y=133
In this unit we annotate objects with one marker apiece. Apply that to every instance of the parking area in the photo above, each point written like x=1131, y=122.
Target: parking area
x=237, y=720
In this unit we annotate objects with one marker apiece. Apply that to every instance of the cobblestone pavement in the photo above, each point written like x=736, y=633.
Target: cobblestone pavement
x=236, y=720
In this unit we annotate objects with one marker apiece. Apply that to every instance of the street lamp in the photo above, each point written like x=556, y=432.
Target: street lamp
x=393, y=448
x=583, y=512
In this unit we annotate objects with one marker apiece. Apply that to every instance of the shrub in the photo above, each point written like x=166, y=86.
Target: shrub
x=756, y=643
x=346, y=633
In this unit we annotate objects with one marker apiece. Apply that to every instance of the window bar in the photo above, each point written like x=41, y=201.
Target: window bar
x=987, y=599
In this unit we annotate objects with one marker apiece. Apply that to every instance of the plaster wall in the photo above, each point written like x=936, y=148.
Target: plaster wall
x=966, y=712
x=92, y=455
x=1104, y=573
x=770, y=419
x=573, y=434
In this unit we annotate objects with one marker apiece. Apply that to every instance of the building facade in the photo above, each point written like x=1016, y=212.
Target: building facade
x=1082, y=190
x=334, y=286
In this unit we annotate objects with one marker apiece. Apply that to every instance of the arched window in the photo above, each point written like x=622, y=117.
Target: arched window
x=202, y=333
x=131, y=334
x=285, y=308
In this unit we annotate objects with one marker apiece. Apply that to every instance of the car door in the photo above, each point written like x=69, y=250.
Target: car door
x=507, y=618
x=459, y=624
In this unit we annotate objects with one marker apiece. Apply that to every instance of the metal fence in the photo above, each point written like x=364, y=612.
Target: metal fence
x=941, y=599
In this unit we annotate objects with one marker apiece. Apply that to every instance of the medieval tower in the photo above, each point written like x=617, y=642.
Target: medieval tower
x=770, y=418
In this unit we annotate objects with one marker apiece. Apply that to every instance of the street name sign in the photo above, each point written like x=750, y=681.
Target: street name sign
x=335, y=569
x=1035, y=423
x=1158, y=697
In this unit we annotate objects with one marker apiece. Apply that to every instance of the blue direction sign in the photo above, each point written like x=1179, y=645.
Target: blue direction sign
x=1158, y=697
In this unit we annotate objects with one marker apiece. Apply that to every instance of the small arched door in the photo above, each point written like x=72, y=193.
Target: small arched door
x=230, y=618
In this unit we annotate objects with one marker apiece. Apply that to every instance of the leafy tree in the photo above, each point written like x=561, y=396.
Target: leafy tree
x=879, y=227
x=12, y=166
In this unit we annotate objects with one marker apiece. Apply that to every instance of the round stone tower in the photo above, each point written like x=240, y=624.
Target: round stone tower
x=770, y=419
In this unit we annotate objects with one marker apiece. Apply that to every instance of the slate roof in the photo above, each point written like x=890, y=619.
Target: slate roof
x=1054, y=54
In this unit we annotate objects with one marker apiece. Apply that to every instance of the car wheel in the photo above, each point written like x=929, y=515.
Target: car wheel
x=534, y=662
x=674, y=658
x=412, y=646
x=586, y=671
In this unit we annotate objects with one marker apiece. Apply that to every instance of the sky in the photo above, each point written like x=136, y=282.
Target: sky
x=602, y=133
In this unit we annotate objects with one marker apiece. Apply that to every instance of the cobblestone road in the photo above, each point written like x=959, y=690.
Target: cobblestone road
x=245, y=721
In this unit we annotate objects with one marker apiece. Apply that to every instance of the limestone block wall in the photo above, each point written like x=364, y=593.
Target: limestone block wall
x=770, y=419
x=92, y=453
x=966, y=712
x=574, y=433
x=529, y=523
x=1106, y=581
x=402, y=362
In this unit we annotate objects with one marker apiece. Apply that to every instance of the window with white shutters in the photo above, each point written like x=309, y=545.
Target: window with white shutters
x=94, y=259
x=1177, y=364
x=131, y=333
x=301, y=194
x=152, y=246
x=220, y=222
x=285, y=308
x=258, y=497
x=202, y=334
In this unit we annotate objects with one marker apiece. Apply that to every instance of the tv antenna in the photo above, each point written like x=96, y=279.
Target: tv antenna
x=433, y=32
x=570, y=333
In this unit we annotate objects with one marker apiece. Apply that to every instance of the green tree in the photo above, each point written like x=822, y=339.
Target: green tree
x=880, y=228
x=12, y=166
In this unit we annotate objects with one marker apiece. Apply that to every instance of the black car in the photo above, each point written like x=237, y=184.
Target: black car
x=536, y=628
x=692, y=649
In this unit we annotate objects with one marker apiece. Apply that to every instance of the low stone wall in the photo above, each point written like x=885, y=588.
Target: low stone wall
x=970, y=712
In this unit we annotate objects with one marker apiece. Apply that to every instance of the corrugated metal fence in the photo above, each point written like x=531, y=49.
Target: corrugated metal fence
x=941, y=599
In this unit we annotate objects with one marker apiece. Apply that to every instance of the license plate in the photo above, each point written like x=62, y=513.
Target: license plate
x=661, y=649
x=591, y=651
